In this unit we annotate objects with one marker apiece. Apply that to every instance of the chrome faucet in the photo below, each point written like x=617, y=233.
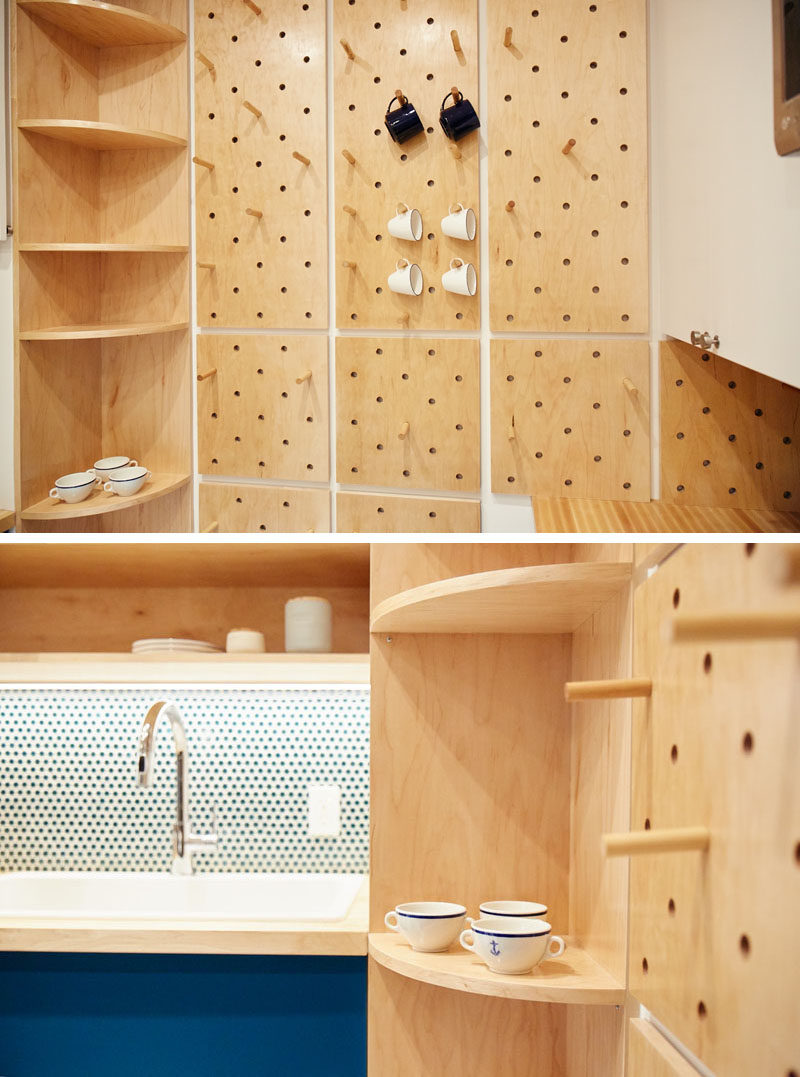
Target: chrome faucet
x=184, y=842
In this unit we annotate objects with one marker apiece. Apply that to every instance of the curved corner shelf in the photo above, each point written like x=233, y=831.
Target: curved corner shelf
x=93, y=135
x=101, y=502
x=103, y=25
x=575, y=977
x=103, y=248
x=101, y=332
x=540, y=599
x=7, y=519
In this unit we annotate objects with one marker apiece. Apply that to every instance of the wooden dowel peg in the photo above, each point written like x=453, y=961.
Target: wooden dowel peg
x=348, y=157
x=305, y=376
x=254, y=213
x=208, y=374
x=202, y=161
x=404, y=431
x=213, y=526
x=678, y=840
x=629, y=688
x=206, y=265
x=788, y=564
x=455, y=40
x=404, y=318
x=510, y=206
x=735, y=626
x=512, y=434
x=507, y=37
x=350, y=54
x=350, y=210
x=301, y=157
x=253, y=7
x=201, y=56
x=455, y=151
x=457, y=95
x=349, y=265
x=252, y=108
x=401, y=99
x=629, y=385
x=567, y=147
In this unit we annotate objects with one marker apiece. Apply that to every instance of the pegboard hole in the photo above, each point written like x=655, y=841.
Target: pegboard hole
x=538, y=404
x=566, y=261
x=354, y=422
x=707, y=662
x=406, y=473
x=567, y=380
x=565, y=205
x=403, y=156
x=537, y=235
x=404, y=377
x=749, y=548
x=379, y=447
x=431, y=183
x=676, y=598
x=593, y=64
x=509, y=317
x=508, y=153
x=429, y=76
x=510, y=478
x=747, y=742
x=539, y=456
x=626, y=486
x=459, y=377
x=594, y=177
x=432, y=450
x=702, y=1012
x=378, y=399
x=238, y=501
x=596, y=405
x=354, y=470
x=234, y=39
x=595, y=289
x=564, y=39
x=673, y=754
x=377, y=79
x=597, y=459
x=797, y=853
x=594, y=121
x=645, y=966
x=430, y=22
x=459, y=475
x=459, y=426
x=509, y=262
x=565, y=94
x=403, y=52
x=567, y=429
x=624, y=205
x=214, y=415
x=537, y=179
x=647, y=824
x=680, y=487
x=431, y=399
x=624, y=261
x=537, y=290
x=623, y=33
x=535, y=123
x=507, y=97
x=626, y=317
x=787, y=441
x=671, y=907
x=381, y=508
x=568, y=482
x=211, y=115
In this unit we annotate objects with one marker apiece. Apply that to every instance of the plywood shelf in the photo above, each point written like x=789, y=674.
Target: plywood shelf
x=101, y=502
x=102, y=332
x=103, y=248
x=541, y=599
x=103, y=25
x=106, y=668
x=554, y=515
x=90, y=134
x=7, y=518
x=573, y=978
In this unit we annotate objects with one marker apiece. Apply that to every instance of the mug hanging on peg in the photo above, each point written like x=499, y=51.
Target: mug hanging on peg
x=306, y=376
x=507, y=37
x=567, y=147
x=206, y=164
x=348, y=157
x=254, y=213
x=252, y=108
x=208, y=374
x=404, y=429
x=201, y=56
x=455, y=40
x=403, y=123
x=458, y=119
x=345, y=45
x=301, y=158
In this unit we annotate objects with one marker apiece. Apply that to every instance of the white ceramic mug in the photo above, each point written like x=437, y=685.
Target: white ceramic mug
x=460, y=278
x=406, y=224
x=459, y=223
x=308, y=624
x=106, y=467
x=406, y=279
x=127, y=481
x=511, y=945
x=429, y=926
x=75, y=487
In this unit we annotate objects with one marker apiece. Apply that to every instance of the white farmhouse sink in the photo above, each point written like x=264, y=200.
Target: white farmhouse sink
x=150, y=896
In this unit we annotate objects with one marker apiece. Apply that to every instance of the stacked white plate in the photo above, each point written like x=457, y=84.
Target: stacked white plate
x=174, y=646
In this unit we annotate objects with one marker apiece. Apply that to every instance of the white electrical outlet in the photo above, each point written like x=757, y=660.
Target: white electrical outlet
x=324, y=815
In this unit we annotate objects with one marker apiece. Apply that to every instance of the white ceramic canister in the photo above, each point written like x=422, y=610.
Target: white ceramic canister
x=244, y=641
x=307, y=624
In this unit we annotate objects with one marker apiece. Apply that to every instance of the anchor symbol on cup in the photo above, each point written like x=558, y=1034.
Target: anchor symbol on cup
x=494, y=947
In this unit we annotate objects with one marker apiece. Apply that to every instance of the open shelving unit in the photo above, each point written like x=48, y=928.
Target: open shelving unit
x=102, y=311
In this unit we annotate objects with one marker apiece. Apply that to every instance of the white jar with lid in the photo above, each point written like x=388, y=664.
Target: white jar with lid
x=307, y=625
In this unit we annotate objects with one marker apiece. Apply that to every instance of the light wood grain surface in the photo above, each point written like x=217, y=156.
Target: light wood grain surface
x=103, y=25
x=357, y=513
x=563, y=515
x=247, y=507
x=651, y=1055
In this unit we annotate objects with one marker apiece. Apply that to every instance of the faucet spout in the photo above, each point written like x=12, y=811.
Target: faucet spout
x=184, y=842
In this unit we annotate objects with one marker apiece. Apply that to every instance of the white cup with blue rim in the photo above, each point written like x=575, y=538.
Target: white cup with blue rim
x=511, y=945
x=428, y=926
x=74, y=487
x=127, y=481
x=534, y=910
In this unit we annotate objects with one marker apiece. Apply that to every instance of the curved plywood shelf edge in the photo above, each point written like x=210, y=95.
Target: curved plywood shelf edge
x=544, y=598
x=7, y=519
x=574, y=978
x=101, y=502
x=103, y=25
x=92, y=134
x=102, y=332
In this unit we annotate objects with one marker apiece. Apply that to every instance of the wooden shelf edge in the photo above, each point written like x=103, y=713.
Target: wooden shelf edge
x=443, y=602
x=576, y=978
x=101, y=502
x=102, y=332
x=7, y=519
x=104, y=24
x=96, y=135
x=85, y=667
x=103, y=248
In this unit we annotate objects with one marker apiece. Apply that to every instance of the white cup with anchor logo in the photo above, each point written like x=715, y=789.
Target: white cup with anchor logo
x=459, y=223
x=406, y=279
x=460, y=278
x=406, y=224
x=511, y=945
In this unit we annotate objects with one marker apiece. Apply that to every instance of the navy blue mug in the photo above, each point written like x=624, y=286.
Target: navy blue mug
x=460, y=118
x=403, y=123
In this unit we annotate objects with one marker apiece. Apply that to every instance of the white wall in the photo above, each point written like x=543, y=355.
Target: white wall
x=726, y=207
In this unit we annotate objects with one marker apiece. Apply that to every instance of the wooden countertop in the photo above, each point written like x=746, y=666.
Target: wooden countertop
x=346, y=937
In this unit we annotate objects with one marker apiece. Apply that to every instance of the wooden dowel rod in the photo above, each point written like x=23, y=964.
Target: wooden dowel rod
x=206, y=265
x=567, y=147
x=252, y=108
x=629, y=385
x=306, y=376
x=680, y=839
x=214, y=526
x=350, y=210
x=639, y=687
x=201, y=56
x=208, y=374
x=301, y=157
x=345, y=45
x=507, y=37
x=455, y=151
x=455, y=40
x=733, y=626
x=348, y=156
x=457, y=95
x=254, y=213
x=404, y=431
x=206, y=164
x=510, y=206
x=512, y=434
x=400, y=98
x=349, y=265
x=253, y=7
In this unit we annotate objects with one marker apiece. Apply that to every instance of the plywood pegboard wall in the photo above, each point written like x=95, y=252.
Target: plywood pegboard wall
x=262, y=100
x=262, y=406
x=395, y=513
x=406, y=46
x=729, y=436
x=408, y=413
x=274, y=509
x=571, y=418
x=714, y=938
x=568, y=230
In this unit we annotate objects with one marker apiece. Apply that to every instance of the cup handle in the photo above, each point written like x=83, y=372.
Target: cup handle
x=97, y=481
x=55, y=494
x=132, y=463
x=393, y=926
x=462, y=938
x=149, y=475
x=107, y=487
x=470, y=920
x=560, y=946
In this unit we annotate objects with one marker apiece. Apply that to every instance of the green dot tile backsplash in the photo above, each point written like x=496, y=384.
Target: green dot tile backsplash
x=69, y=799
